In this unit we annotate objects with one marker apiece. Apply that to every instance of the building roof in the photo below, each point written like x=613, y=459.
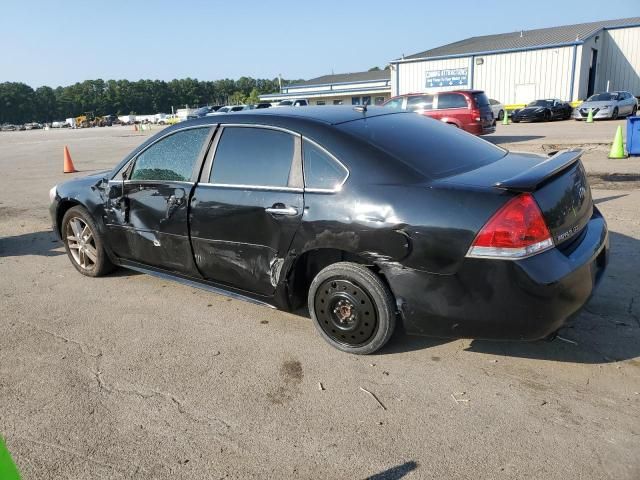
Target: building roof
x=347, y=78
x=526, y=39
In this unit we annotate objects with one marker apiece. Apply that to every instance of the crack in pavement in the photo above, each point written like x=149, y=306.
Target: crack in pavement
x=104, y=386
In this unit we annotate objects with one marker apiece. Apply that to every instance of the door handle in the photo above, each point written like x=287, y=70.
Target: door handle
x=281, y=210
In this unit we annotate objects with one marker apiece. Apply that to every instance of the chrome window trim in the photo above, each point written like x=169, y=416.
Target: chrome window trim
x=335, y=189
x=251, y=187
x=135, y=158
x=214, y=149
x=150, y=182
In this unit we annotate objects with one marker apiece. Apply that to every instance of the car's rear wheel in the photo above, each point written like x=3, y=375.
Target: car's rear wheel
x=501, y=115
x=614, y=116
x=83, y=243
x=352, y=308
x=634, y=110
x=547, y=116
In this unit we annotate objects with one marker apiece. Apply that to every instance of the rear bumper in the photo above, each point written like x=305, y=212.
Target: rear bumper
x=523, y=300
x=480, y=129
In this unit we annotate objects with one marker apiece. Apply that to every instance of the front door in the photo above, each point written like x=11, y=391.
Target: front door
x=247, y=207
x=147, y=216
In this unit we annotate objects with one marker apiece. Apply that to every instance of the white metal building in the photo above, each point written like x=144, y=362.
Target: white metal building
x=372, y=88
x=569, y=62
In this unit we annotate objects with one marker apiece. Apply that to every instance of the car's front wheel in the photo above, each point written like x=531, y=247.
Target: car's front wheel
x=83, y=243
x=614, y=115
x=352, y=308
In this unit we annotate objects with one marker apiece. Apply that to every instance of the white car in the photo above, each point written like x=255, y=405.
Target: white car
x=294, y=102
x=497, y=108
x=607, y=105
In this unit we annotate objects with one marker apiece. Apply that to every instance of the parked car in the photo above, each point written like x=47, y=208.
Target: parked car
x=543, y=111
x=369, y=216
x=607, y=105
x=469, y=110
x=294, y=102
x=231, y=109
x=7, y=127
x=497, y=108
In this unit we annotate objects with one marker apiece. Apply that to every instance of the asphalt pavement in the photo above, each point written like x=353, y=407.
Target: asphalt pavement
x=131, y=376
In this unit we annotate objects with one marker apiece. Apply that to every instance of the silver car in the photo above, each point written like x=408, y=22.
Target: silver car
x=607, y=105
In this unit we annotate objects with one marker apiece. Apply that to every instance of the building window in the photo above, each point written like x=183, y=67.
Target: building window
x=366, y=100
x=320, y=102
x=337, y=102
x=379, y=100
x=355, y=100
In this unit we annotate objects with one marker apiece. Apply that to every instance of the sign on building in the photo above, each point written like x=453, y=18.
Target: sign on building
x=447, y=78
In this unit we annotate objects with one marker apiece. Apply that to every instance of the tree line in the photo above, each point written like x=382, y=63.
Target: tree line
x=19, y=103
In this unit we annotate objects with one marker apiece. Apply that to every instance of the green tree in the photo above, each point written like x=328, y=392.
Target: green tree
x=254, y=97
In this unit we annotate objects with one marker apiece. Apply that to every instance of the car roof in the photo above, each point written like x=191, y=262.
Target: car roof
x=326, y=114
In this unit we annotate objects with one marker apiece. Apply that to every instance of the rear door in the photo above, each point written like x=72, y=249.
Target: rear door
x=247, y=206
x=146, y=213
x=452, y=108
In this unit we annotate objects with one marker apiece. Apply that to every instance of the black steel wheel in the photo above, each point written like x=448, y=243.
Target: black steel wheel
x=83, y=243
x=352, y=308
x=634, y=111
x=615, y=114
x=501, y=115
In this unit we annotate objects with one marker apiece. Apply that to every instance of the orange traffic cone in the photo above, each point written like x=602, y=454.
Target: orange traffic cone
x=68, y=163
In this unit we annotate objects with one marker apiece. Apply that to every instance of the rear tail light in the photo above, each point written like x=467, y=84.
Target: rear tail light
x=517, y=230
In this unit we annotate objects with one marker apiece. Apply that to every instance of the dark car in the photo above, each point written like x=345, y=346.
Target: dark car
x=469, y=110
x=543, y=111
x=363, y=214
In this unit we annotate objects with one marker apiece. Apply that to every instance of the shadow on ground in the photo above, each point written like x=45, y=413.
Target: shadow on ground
x=42, y=243
x=500, y=139
x=395, y=473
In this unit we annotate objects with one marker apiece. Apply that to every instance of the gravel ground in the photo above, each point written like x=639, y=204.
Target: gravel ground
x=131, y=376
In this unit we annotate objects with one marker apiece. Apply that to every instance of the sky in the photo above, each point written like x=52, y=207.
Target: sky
x=50, y=42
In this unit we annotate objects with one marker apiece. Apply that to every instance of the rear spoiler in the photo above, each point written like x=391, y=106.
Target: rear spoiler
x=529, y=180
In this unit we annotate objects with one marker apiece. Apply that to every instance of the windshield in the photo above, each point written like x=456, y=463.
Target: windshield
x=429, y=146
x=602, y=97
x=541, y=103
x=285, y=102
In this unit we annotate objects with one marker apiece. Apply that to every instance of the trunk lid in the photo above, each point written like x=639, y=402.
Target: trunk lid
x=559, y=185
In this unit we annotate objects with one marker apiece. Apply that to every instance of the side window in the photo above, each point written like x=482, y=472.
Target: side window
x=421, y=102
x=172, y=158
x=394, y=104
x=253, y=156
x=451, y=100
x=320, y=170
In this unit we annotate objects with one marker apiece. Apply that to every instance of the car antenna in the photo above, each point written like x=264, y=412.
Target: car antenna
x=361, y=108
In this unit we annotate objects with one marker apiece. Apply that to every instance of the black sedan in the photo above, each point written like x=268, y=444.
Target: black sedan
x=543, y=111
x=367, y=216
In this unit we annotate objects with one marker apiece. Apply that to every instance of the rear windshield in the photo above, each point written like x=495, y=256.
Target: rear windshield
x=481, y=99
x=429, y=146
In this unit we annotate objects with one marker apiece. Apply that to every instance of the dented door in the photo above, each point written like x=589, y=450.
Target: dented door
x=247, y=206
x=147, y=211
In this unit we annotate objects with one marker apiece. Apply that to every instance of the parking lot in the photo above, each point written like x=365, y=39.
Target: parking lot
x=132, y=376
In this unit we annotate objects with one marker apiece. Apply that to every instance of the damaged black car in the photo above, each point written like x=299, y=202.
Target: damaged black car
x=371, y=219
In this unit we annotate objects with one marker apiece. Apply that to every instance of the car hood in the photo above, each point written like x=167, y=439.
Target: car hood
x=607, y=103
x=529, y=110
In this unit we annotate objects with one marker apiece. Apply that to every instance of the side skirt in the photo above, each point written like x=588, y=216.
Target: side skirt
x=196, y=283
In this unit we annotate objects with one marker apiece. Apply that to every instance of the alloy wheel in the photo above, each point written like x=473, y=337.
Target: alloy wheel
x=345, y=312
x=81, y=243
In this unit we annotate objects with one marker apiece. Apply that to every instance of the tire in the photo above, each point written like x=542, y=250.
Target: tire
x=501, y=115
x=547, y=116
x=515, y=120
x=634, y=110
x=614, y=115
x=354, y=290
x=94, y=262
